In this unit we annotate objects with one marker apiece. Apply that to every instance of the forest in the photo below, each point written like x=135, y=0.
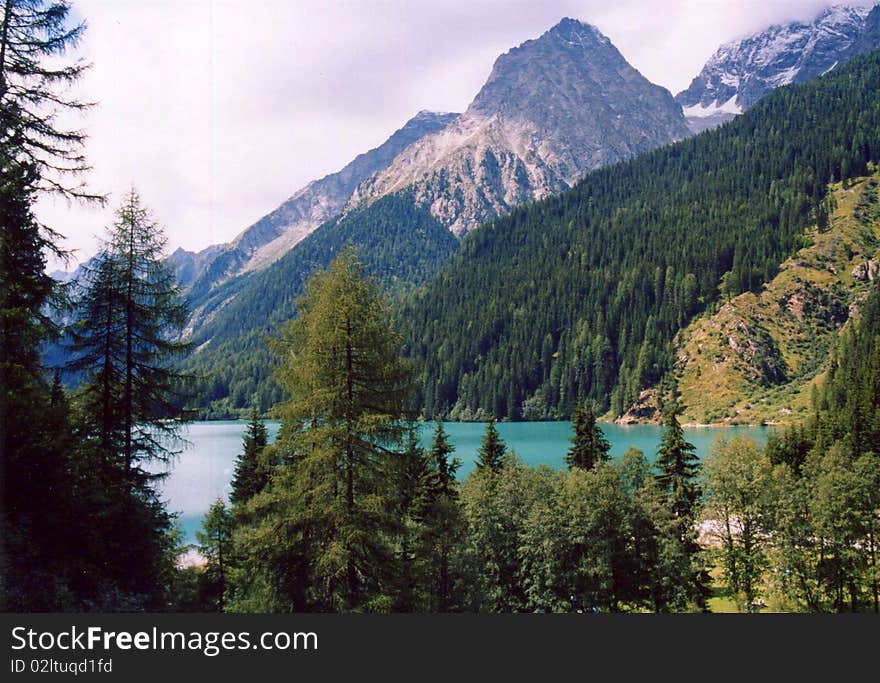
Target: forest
x=579, y=295
x=345, y=511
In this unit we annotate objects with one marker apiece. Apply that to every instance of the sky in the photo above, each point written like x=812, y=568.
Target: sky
x=218, y=111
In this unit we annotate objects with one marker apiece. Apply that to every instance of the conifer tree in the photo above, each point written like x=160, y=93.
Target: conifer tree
x=129, y=320
x=408, y=473
x=131, y=317
x=441, y=520
x=215, y=544
x=250, y=476
x=34, y=89
x=490, y=457
x=342, y=363
x=679, y=469
x=49, y=498
x=589, y=445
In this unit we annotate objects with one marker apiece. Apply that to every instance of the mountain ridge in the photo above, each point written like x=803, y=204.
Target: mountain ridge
x=745, y=69
x=277, y=232
x=552, y=109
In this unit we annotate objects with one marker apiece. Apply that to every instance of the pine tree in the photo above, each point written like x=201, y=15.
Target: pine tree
x=34, y=88
x=34, y=487
x=589, y=445
x=679, y=469
x=490, y=457
x=342, y=364
x=215, y=544
x=441, y=521
x=131, y=317
x=408, y=474
x=250, y=476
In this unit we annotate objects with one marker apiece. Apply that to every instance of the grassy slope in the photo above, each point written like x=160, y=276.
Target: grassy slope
x=756, y=358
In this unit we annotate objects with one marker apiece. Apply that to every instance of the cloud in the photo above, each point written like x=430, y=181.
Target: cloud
x=218, y=111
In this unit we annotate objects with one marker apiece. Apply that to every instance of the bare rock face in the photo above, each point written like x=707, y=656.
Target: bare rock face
x=643, y=411
x=276, y=233
x=553, y=109
x=867, y=271
x=742, y=71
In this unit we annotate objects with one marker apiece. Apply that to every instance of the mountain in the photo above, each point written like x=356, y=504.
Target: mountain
x=399, y=244
x=188, y=266
x=759, y=356
x=274, y=234
x=581, y=296
x=742, y=71
x=552, y=109
x=869, y=38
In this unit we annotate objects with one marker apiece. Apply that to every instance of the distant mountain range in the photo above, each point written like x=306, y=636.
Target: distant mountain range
x=744, y=70
x=552, y=109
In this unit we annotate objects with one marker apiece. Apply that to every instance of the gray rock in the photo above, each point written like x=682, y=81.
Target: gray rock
x=553, y=109
x=743, y=71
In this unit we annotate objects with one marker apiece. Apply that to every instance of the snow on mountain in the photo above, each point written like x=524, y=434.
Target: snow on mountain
x=744, y=70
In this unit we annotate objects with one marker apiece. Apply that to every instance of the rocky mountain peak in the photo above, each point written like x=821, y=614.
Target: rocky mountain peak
x=552, y=109
x=744, y=70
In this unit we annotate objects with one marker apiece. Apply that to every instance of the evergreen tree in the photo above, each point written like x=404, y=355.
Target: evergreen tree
x=215, y=544
x=34, y=88
x=589, y=445
x=679, y=469
x=131, y=316
x=349, y=384
x=40, y=508
x=490, y=457
x=408, y=473
x=250, y=476
x=441, y=522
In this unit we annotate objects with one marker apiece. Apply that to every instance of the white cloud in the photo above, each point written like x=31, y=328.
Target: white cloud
x=218, y=110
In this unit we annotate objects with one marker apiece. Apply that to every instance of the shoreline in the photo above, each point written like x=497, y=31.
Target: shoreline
x=645, y=423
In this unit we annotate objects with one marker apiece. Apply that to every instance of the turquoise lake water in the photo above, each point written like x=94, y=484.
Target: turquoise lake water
x=203, y=471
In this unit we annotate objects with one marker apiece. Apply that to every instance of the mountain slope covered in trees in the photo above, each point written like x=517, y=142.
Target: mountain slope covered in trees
x=580, y=296
x=398, y=243
x=761, y=356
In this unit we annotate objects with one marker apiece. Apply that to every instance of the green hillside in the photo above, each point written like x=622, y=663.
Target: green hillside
x=759, y=356
x=399, y=244
x=582, y=295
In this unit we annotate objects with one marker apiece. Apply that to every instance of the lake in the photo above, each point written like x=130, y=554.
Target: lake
x=204, y=470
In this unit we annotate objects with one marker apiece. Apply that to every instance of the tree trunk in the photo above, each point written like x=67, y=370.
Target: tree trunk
x=129, y=350
x=4, y=40
x=353, y=597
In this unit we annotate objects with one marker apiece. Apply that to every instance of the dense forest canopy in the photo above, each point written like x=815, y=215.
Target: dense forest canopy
x=399, y=243
x=580, y=296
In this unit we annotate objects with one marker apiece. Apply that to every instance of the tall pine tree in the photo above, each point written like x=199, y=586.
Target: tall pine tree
x=342, y=364
x=490, y=456
x=251, y=475
x=679, y=470
x=589, y=445
x=38, y=504
x=441, y=521
x=130, y=318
